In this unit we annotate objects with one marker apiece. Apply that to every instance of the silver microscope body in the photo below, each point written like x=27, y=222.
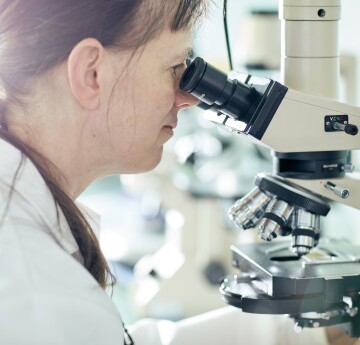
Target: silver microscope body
x=315, y=281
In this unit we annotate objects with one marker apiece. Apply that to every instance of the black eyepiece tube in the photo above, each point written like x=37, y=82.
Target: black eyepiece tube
x=212, y=87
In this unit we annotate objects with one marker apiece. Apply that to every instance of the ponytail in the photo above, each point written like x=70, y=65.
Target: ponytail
x=93, y=258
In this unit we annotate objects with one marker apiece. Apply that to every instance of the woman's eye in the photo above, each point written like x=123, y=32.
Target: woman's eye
x=178, y=70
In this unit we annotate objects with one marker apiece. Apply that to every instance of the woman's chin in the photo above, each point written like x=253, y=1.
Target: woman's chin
x=150, y=163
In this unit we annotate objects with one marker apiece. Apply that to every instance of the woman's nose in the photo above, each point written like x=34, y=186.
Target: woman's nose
x=185, y=100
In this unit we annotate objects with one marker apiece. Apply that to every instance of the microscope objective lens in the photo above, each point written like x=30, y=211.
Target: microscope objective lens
x=275, y=218
x=247, y=211
x=305, y=234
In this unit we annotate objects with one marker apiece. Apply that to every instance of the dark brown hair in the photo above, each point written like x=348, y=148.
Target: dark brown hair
x=36, y=35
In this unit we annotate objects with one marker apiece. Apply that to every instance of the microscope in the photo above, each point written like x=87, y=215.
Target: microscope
x=313, y=280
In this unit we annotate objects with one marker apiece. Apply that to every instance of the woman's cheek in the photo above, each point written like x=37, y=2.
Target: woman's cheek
x=165, y=103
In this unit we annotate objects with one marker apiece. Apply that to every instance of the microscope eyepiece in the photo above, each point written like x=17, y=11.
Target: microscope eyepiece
x=212, y=87
x=192, y=75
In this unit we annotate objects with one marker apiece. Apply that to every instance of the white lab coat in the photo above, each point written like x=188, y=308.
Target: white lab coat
x=47, y=297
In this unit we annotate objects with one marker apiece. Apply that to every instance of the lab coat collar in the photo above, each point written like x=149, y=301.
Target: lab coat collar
x=32, y=189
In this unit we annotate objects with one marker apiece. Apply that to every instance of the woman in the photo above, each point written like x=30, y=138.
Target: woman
x=89, y=89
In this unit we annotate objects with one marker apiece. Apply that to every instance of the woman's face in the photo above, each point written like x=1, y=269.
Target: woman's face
x=144, y=102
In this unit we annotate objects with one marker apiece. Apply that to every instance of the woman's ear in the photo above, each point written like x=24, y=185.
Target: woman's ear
x=83, y=72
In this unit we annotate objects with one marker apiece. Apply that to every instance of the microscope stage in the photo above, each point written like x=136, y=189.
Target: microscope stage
x=272, y=280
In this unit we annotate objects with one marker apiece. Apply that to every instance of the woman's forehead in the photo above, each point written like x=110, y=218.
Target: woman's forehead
x=175, y=44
